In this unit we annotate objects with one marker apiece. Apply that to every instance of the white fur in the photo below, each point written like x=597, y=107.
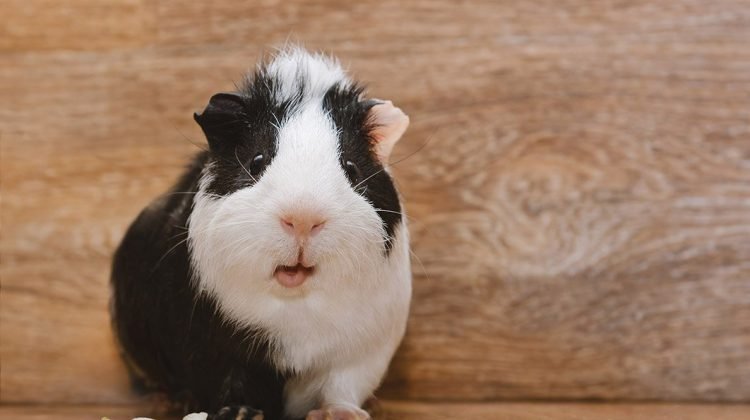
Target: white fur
x=294, y=67
x=338, y=330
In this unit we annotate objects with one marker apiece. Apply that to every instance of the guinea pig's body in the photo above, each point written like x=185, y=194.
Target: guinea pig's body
x=275, y=276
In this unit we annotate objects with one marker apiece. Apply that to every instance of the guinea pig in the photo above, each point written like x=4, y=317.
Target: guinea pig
x=273, y=281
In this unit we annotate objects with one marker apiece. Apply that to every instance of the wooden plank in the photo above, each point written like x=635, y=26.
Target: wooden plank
x=78, y=25
x=391, y=410
x=561, y=411
x=76, y=412
x=579, y=191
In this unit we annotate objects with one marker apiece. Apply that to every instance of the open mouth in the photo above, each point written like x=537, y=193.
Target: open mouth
x=292, y=276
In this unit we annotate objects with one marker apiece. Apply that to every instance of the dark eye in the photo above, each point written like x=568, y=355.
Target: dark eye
x=352, y=172
x=257, y=164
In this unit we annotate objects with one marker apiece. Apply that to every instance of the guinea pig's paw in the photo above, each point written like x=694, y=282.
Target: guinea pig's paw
x=338, y=412
x=237, y=412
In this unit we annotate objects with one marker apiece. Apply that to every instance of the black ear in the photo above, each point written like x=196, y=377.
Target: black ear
x=223, y=120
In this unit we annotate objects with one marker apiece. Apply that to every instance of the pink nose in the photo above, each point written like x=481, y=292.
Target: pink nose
x=302, y=225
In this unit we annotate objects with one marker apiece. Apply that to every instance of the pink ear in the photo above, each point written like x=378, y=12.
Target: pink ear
x=389, y=124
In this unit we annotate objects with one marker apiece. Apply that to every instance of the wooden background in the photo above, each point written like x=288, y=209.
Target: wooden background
x=578, y=182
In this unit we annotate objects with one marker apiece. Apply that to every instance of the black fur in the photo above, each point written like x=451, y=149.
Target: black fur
x=174, y=337
x=247, y=127
x=236, y=134
x=349, y=113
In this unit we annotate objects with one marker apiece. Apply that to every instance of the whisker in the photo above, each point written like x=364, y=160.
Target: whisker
x=224, y=225
x=419, y=149
x=408, y=217
x=368, y=178
x=175, y=236
x=390, y=165
x=207, y=194
x=165, y=255
x=189, y=140
x=388, y=211
x=419, y=260
x=243, y=166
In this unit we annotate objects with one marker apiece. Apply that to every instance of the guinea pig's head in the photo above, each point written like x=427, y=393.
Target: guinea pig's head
x=295, y=196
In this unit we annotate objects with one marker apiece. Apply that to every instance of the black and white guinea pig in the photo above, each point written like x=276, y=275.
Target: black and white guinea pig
x=275, y=276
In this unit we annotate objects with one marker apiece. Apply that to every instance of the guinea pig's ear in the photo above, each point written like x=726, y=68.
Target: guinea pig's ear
x=223, y=119
x=388, y=123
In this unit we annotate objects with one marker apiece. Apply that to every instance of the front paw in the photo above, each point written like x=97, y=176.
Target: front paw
x=338, y=412
x=237, y=412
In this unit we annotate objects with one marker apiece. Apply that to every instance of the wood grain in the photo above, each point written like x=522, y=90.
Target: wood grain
x=79, y=25
x=577, y=176
x=392, y=410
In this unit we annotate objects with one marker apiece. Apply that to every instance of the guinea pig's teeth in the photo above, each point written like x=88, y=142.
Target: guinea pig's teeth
x=294, y=268
x=289, y=268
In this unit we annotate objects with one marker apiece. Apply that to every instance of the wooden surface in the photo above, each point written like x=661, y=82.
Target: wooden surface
x=578, y=182
x=433, y=411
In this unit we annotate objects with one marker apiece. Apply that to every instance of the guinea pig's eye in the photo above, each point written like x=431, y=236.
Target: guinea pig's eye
x=257, y=164
x=352, y=172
